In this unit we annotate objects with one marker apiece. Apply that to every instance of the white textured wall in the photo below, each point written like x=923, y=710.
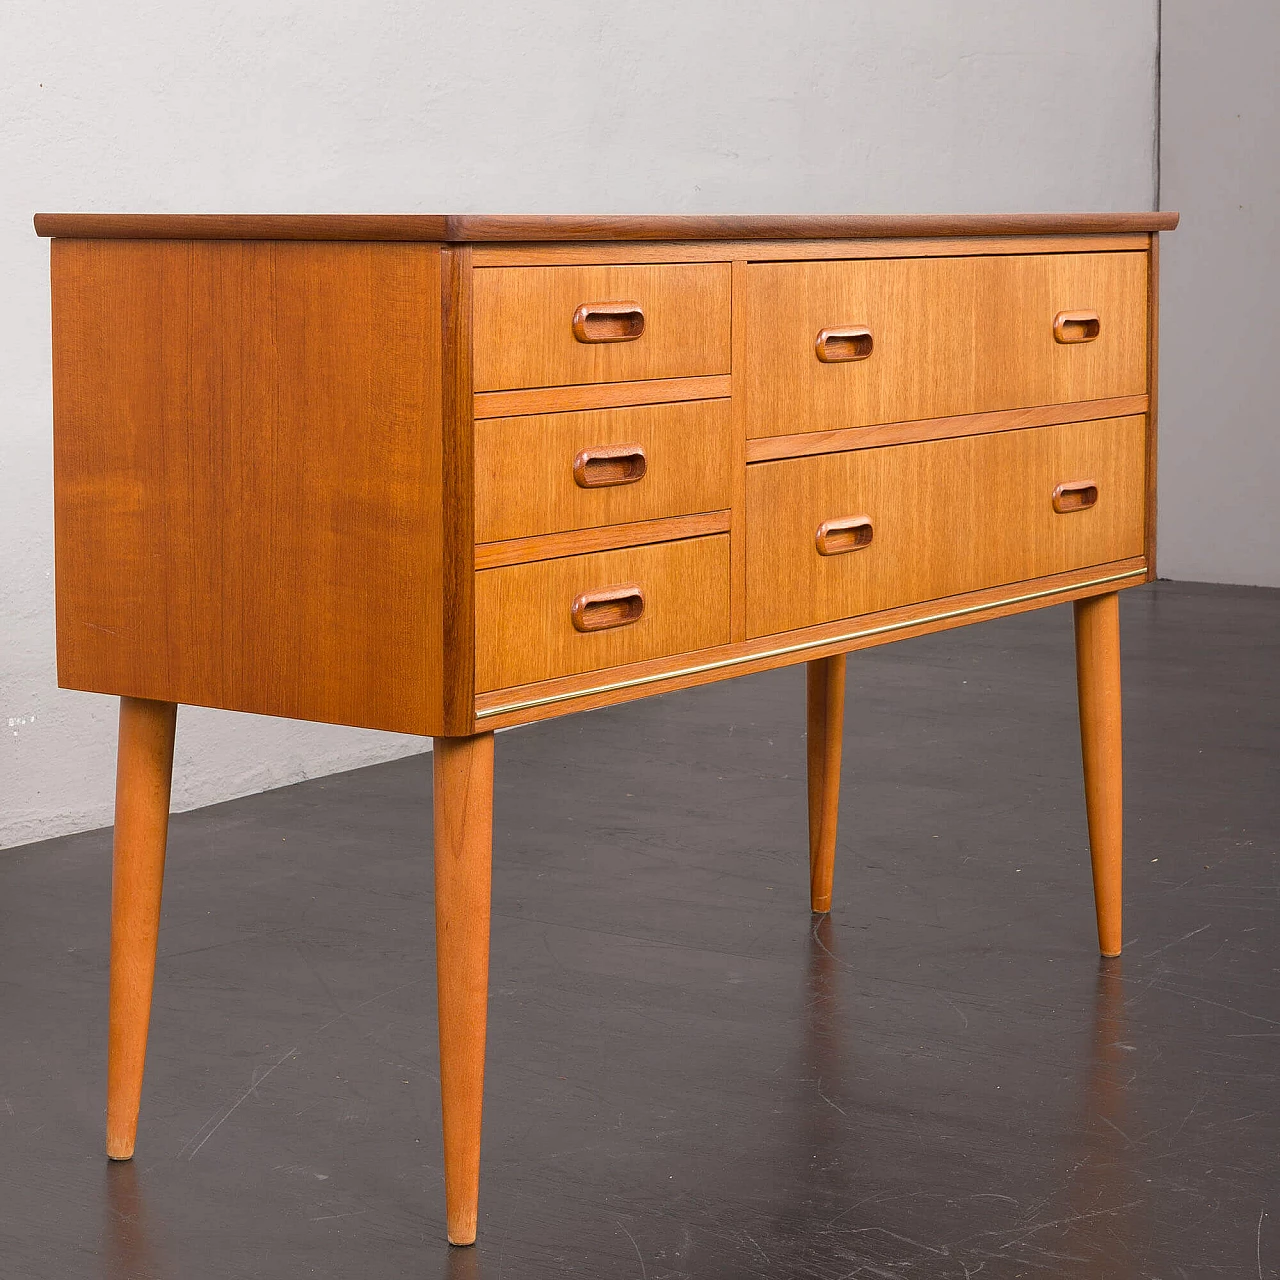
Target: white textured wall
x=1220, y=294
x=504, y=107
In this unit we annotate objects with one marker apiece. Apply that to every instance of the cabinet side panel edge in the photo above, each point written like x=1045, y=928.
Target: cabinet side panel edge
x=1153, y=386
x=458, y=494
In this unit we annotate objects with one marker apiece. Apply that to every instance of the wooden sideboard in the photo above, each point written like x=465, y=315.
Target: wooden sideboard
x=443, y=475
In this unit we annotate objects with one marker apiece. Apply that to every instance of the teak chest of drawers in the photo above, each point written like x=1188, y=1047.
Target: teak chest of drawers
x=443, y=475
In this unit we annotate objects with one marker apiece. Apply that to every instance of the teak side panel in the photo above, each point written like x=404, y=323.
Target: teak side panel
x=247, y=476
x=524, y=324
x=524, y=628
x=947, y=517
x=951, y=336
x=525, y=481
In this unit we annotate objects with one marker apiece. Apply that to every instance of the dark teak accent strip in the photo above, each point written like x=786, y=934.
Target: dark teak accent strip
x=458, y=488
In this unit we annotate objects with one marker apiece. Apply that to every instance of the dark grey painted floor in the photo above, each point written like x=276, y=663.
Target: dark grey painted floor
x=686, y=1078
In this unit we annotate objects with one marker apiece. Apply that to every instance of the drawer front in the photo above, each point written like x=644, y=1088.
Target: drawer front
x=945, y=517
x=562, y=471
x=910, y=338
x=562, y=326
x=581, y=613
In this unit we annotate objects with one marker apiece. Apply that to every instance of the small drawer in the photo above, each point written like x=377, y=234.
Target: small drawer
x=583, y=613
x=562, y=471
x=832, y=345
x=843, y=534
x=564, y=326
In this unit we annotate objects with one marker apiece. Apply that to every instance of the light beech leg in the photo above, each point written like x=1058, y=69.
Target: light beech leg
x=144, y=773
x=825, y=688
x=1097, y=624
x=463, y=773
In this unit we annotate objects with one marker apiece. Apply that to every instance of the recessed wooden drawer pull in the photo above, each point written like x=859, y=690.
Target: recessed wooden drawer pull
x=609, y=607
x=1077, y=495
x=608, y=322
x=605, y=465
x=835, y=346
x=1076, y=326
x=851, y=533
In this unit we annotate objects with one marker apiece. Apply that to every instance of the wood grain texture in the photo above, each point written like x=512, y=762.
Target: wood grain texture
x=523, y=324
x=1097, y=627
x=524, y=468
x=550, y=546
x=824, y=687
x=949, y=516
x=600, y=395
x=738, y=437
x=462, y=770
x=524, y=627
x=474, y=226
x=952, y=336
x=247, y=476
x=144, y=775
x=502, y=708
x=587, y=252
x=767, y=448
x=1153, y=396
x=457, y=491
x=798, y=226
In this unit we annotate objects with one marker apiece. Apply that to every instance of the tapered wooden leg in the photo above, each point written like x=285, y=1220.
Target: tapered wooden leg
x=825, y=683
x=1098, y=685
x=463, y=769
x=144, y=771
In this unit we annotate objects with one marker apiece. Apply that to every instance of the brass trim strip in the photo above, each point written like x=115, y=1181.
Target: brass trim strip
x=904, y=625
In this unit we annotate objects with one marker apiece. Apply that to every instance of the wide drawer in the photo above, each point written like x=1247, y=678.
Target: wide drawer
x=562, y=326
x=846, y=344
x=843, y=534
x=583, y=613
x=554, y=472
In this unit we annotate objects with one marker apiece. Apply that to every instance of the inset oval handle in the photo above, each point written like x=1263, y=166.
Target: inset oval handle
x=608, y=322
x=1075, y=495
x=835, y=346
x=1076, y=326
x=605, y=465
x=609, y=607
x=850, y=533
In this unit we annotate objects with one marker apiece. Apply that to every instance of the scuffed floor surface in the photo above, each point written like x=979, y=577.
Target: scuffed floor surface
x=686, y=1077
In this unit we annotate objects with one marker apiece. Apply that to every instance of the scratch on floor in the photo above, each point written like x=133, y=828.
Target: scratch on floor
x=759, y=1250
x=1262, y=1215
x=382, y=995
x=1117, y=1128
x=1021, y=1236
x=958, y=1009
x=644, y=1275
x=1175, y=942
x=1217, y=1004
x=942, y=1251
x=827, y=1100
x=257, y=1080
